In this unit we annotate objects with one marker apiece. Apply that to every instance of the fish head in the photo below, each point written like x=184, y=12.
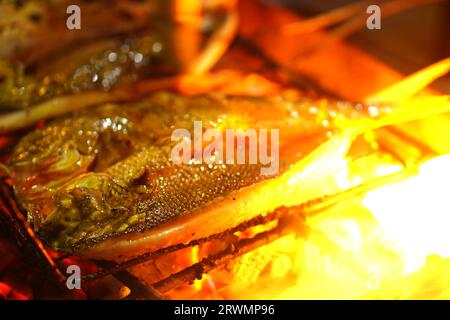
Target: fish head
x=53, y=154
x=94, y=205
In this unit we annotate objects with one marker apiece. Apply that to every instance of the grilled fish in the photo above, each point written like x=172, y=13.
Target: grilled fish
x=41, y=59
x=119, y=42
x=102, y=183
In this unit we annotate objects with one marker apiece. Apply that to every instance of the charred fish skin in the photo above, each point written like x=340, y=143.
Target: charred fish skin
x=81, y=192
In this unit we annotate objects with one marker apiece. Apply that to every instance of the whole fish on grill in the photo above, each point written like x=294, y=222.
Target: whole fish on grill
x=102, y=183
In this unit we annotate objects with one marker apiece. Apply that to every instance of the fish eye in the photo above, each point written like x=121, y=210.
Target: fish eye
x=35, y=17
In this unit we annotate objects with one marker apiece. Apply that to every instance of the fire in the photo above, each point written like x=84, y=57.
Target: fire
x=416, y=212
x=391, y=242
x=198, y=283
